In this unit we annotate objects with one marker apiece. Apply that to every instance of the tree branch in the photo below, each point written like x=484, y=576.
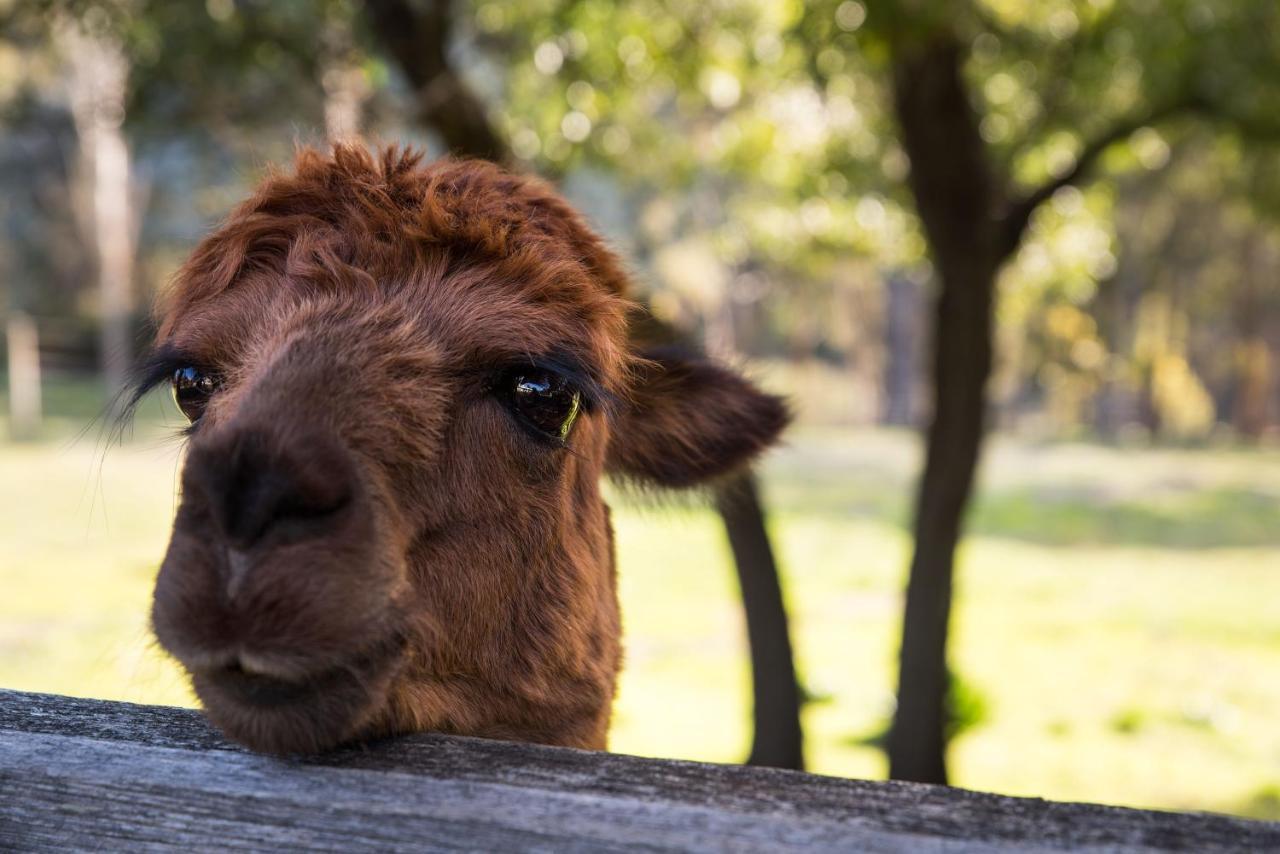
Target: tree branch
x=417, y=36
x=1018, y=213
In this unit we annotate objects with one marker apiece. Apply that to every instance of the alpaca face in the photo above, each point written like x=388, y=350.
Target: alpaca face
x=405, y=384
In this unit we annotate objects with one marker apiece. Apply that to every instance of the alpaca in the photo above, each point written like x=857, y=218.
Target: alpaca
x=404, y=383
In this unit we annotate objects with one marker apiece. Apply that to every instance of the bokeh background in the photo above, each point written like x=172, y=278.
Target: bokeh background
x=797, y=185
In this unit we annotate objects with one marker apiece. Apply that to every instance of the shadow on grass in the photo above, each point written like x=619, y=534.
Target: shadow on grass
x=1216, y=518
x=1191, y=519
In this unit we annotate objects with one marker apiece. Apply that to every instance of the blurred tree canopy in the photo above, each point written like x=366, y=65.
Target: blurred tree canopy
x=752, y=145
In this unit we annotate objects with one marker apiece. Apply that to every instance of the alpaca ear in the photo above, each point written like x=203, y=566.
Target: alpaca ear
x=689, y=420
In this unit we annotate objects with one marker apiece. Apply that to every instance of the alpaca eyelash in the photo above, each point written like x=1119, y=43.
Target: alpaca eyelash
x=157, y=368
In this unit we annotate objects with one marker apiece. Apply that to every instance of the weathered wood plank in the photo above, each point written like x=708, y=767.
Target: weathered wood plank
x=91, y=774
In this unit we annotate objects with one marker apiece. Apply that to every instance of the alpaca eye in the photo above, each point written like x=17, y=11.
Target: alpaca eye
x=192, y=389
x=542, y=400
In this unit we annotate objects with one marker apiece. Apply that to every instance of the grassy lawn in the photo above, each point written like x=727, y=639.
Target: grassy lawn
x=1118, y=610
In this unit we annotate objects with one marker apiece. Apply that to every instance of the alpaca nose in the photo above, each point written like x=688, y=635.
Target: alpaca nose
x=259, y=485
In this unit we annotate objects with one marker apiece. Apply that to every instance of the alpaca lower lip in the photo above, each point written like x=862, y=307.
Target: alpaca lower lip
x=284, y=717
x=249, y=680
x=257, y=689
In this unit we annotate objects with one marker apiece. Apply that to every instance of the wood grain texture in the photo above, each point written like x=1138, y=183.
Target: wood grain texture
x=87, y=774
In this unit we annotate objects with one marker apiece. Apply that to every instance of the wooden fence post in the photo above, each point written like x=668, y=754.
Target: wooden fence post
x=24, y=376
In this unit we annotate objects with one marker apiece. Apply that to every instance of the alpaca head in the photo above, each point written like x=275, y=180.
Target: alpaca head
x=404, y=383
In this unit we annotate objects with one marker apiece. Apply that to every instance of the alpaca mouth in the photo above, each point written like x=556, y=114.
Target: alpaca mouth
x=256, y=688
x=256, y=680
x=275, y=711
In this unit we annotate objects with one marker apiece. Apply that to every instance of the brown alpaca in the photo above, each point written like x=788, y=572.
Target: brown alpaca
x=405, y=382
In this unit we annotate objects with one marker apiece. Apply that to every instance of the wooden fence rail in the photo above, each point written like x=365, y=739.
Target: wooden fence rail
x=88, y=774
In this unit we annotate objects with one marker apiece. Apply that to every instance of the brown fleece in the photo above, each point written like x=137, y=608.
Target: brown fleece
x=426, y=564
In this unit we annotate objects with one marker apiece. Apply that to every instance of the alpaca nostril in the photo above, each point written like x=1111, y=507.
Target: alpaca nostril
x=268, y=499
x=256, y=484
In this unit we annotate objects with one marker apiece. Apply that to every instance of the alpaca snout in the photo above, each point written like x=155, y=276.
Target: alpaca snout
x=275, y=553
x=262, y=499
x=260, y=485
x=277, y=590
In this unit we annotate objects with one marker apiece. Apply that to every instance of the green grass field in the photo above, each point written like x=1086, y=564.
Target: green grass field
x=1118, y=610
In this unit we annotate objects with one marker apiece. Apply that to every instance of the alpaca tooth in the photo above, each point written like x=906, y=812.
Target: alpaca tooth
x=255, y=666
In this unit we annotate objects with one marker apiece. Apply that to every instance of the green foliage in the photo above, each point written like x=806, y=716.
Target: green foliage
x=1128, y=721
x=966, y=707
x=754, y=143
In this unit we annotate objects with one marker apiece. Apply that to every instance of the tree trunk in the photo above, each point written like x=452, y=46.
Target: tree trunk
x=962, y=362
x=778, y=738
x=99, y=74
x=971, y=229
x=1113, y=309
x=775, y=689
x=901, y=336
x=955, y=201
x=1250, y=410
x=416, y=36
x=346, y=86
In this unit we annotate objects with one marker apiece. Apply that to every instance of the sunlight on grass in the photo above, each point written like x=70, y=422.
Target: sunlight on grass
x=1118, y=610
